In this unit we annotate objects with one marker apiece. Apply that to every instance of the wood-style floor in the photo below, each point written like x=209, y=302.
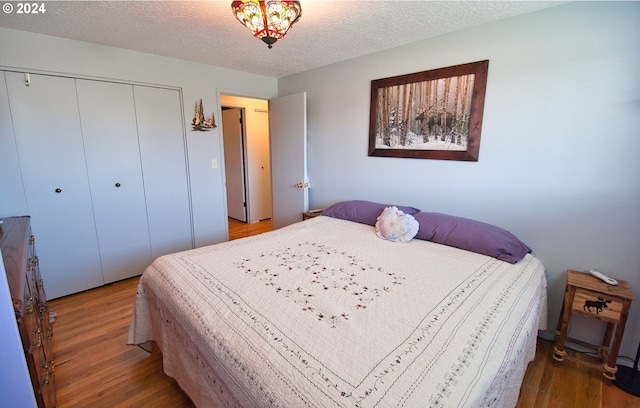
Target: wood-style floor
x=95, y=367
x=239, y=229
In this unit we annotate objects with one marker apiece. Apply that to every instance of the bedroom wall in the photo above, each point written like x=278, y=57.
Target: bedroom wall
x=558, y=162
x=39, y=53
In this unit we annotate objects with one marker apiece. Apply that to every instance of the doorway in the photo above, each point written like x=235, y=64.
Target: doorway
x=234, y=162
x=252, y=158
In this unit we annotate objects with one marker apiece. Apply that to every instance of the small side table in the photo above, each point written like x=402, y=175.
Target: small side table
x=311, y=214
x=589, y=296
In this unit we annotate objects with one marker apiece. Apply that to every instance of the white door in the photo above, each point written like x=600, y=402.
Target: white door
x=288, y=136
x=51, y=152
x=234, y=163
x=261, y=210
x=13, y=201
x=164, y=168
x=110, y=136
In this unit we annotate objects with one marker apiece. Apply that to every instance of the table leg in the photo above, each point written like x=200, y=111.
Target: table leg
x=610, y=366
x=558, y=350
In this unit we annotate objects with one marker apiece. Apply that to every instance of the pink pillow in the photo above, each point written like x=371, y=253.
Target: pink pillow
x=394, y=225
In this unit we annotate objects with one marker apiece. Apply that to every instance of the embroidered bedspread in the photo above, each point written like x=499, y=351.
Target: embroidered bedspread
x=323, y=313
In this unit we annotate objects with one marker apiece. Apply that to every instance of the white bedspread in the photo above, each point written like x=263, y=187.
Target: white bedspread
x=323, y=313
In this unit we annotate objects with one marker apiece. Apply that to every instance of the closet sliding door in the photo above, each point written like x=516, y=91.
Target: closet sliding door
x=12, y=200
x=50, y=148
x=104, y=173
x=110, y=134
x=162, y=148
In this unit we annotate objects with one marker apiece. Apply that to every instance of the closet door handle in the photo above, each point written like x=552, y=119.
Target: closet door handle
x=58, y=190
x=118, y=184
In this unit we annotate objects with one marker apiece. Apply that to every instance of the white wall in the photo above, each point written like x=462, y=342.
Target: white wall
x=38, y=53
x=559, y=155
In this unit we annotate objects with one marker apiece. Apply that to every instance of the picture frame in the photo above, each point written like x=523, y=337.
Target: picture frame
x=435, y=114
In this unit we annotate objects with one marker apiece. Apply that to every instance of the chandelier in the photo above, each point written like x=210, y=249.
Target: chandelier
x=268, y=20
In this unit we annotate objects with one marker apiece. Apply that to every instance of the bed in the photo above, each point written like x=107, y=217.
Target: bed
x=325, y=313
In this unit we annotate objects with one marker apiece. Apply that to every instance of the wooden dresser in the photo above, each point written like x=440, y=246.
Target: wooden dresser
x=30, y=305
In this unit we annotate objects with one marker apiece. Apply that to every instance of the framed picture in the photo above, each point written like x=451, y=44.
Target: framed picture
x=434, y=114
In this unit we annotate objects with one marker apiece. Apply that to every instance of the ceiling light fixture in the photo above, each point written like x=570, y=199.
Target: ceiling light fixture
x=268, y=20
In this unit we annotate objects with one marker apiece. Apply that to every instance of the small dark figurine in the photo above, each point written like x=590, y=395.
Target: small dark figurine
x=598, y=304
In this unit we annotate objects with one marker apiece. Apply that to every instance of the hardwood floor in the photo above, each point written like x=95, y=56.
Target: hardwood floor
x=568, y=384
x=239, y=229
x=95, y=367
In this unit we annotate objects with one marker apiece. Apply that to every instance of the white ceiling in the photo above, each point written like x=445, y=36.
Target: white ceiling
x=329, y=31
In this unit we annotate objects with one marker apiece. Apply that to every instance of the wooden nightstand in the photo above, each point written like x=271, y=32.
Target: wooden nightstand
x=311, y=214
x=589, y=296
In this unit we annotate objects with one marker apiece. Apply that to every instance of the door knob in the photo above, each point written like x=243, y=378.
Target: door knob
x=118, y=184
x=58, y=190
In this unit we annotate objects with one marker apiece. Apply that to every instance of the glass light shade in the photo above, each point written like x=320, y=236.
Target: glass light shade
x=268, y=20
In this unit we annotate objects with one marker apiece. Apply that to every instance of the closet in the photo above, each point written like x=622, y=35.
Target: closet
x=104, y=175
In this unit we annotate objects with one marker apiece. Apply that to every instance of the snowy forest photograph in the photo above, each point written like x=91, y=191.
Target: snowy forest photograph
x=432, y=114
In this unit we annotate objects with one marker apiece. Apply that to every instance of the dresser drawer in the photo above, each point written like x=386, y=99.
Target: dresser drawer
x=597, y=305
x=30, y=306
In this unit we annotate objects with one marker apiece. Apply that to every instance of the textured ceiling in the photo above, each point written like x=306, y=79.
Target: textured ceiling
x=206, y=31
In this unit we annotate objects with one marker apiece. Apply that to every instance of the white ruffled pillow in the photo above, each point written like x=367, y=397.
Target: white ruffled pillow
x=394, y=225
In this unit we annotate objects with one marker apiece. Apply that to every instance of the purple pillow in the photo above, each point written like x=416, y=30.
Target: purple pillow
x=471, y=235
x=364, y=212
